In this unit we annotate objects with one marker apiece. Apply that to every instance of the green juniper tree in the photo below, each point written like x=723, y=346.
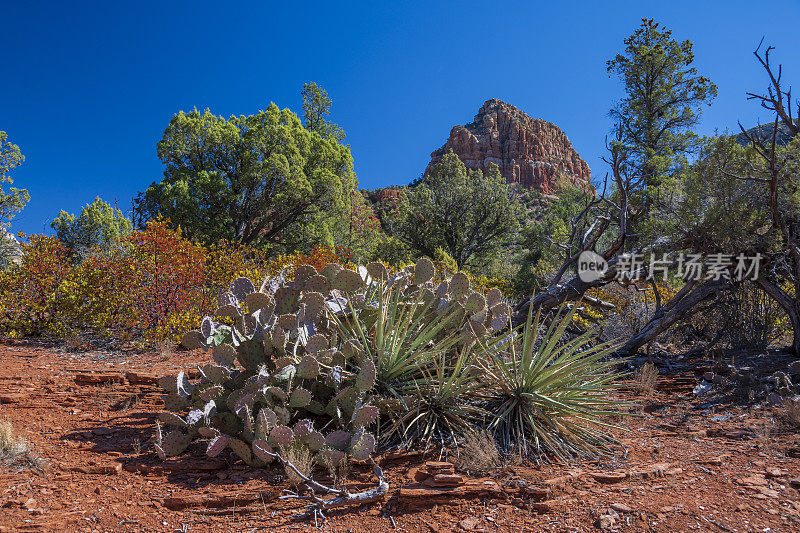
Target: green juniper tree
x=99, y=224
x=663, y=98
x=13, y=201
x=263, y=180
x=465, y=212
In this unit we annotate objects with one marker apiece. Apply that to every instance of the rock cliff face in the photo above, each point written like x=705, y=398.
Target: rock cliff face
x=530, y=152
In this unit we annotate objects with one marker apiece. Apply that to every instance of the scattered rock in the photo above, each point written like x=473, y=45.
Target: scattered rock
x=621, y=508
x=445, y=480
x=468, y=524
x=608, y=477
x=606, y=521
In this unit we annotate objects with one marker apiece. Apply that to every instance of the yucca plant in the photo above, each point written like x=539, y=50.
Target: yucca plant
x=548, y=395
x=443, y=403
x=402, y=338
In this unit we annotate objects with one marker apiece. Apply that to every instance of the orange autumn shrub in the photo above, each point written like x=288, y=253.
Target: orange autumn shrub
x=33, y=291
x=152, y=286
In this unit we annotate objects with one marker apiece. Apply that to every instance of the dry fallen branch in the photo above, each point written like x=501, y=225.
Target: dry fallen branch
x=343, y=497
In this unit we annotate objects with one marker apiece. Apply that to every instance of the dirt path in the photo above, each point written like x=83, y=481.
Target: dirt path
x=689, y=467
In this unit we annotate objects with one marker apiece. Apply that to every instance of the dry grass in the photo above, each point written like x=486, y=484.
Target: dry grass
x=338, y=471
x=166, y=350
x=790, y=414
x=300, y=457
x=646, y=377
x=478, y=453
x=15, y=450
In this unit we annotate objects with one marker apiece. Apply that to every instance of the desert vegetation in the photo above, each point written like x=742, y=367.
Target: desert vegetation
x=450, y=316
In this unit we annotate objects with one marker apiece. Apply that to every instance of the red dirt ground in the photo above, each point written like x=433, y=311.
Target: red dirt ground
x=690, y=466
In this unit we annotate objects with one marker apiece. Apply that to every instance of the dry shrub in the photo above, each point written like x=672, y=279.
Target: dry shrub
x=300, y=457
x=338, y=471
x=646, y=377
x=15, y=450
x=790, y=414
x=478, y=453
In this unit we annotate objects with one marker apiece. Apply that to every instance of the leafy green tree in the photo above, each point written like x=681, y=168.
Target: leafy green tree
x=99, y=225
x=468, y=214
x=11, y=202
x=662, y=102
x=316, y=109
x=262, y=180
x=543, y=239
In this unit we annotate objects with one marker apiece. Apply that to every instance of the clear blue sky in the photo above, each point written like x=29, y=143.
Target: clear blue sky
x=88, y=87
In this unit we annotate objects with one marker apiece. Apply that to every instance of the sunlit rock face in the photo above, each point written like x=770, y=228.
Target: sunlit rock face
x=530, y=152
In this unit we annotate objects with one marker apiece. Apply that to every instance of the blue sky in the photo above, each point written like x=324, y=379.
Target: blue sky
x=87, y=89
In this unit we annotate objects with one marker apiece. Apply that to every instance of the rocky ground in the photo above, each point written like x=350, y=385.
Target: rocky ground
x=718, y=461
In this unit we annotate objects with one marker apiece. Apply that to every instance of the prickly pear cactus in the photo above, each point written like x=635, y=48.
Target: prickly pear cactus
x=282, y=367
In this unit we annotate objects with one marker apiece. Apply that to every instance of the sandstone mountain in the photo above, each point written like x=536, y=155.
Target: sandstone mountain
x=531, y=152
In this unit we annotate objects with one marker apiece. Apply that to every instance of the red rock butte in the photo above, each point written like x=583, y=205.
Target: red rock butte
x=530, y=152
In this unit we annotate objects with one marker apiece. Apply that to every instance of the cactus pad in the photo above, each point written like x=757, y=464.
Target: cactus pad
x=313, y=302
x=267, y=419
x=365, y=415
x=318, y=283
x=260, y=300
x=347, y=281
x=241, y=449
x=338, y=439
x=288, y=322
x=241, y=287
x=224, y=354
x=281, y=436
x=424, y=271
x=475, y=303
x=300, y=397
x=302, y=428
x=191, y=340
x=175, y=442
x=216, y=445
x=362, y=449
x=331, y=270
x=286, y=300
x=263, y=451
x=184, y=387
x=302, y=273
x=308, y=367
x=314, y=440
x=171, y=419
x=378, y=272
x=459, y=285
x=365, y=379
x=493, y=297
x=316, y=343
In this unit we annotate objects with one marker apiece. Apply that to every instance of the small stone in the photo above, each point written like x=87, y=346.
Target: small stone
x=30, y=503
x=774, y=472
x=608, y=477
x=468, y=524
x=621, y=508
x=439, y=467
x=606, y=521
x=446, y=480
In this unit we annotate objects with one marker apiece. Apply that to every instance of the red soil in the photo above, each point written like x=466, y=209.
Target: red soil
x=91, y=416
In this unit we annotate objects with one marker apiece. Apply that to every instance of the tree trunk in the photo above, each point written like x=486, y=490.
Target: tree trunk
x=790, y=305
x=677, y=308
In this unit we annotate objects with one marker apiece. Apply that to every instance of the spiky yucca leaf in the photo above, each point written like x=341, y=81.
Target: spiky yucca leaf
x=402, y=340
x=442, y=404
x=549, y=395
